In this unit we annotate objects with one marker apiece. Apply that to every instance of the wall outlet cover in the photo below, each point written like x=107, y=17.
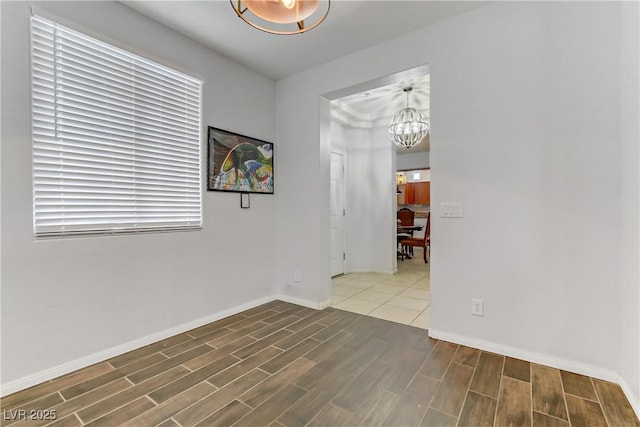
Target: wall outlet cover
x=477, y=307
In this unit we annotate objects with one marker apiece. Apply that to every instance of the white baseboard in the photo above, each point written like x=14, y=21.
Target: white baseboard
x=370, y=271
x=304, y=302
x=542, y=359
x=633, y=399
x=49, y=374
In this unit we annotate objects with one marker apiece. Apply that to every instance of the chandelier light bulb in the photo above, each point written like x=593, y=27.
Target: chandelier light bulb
x=289, y=4
x=409, y=126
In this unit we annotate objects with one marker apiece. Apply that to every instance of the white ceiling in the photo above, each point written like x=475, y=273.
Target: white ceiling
x=349, y=27
x=375, y=107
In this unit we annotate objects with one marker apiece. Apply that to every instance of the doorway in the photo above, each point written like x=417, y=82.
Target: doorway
x=373, y=281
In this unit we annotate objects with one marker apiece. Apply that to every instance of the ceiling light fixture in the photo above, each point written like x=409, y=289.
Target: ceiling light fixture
x=282, y=17
x=409, y=126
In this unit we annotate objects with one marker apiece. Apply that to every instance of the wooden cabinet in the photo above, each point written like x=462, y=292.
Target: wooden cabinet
x=402, y=195
x=421, y=193
x=415, y=193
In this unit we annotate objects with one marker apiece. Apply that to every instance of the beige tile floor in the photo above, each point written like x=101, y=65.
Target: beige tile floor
x=404, y=297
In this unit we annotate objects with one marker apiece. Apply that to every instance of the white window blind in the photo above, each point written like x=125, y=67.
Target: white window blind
x=116, y=138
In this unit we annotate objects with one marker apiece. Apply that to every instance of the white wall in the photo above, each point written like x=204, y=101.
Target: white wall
x=338, y=140
x=370, y=195
x=630, y=210
x=369, y=199
x=65, y=299
x=408, y=161
x=524, y=98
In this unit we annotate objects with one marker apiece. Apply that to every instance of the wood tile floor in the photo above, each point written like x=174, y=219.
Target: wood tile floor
x=285, y=365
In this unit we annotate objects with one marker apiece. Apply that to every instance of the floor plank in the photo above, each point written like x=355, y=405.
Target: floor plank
x=453, y=389
x=486, y=379
x=547, y=394
x=271, y=409
x=303, y=411
x=178, y=386
x=308, y=321
x=402, y=372
x=299, y=336
x=97, y=394
x=425, y=344
x=360, y=358
x=284, y=365
x=352, y=395
x=219, y=399
x=413, y=404
x=514, y=403
x=226, y=416
x=218, y=324
x=398, y=344
x=279, y=362
x=467, y=356
x=68, y=421
x=168, y=409
x=584, y=413
x=435, y=418
x=226, y=375
x=261, y=344
x=578, y=385
x=518, y=369
x=132, y=356
x=615, y=406
x=274, y=327
x=478, y=410
x=32, y=393
x=221, y=351
x=375, y=407
x=243, y=333
x=165, y=364
x=124, y=413
x=333, y=416
x=438, y=361
x=100, y=380
x=544, y=420
x=273, y=384
x=44, y=403
x=96, y=409
x=331, y=344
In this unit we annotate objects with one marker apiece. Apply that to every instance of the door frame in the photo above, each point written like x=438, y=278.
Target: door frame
x=344, y=215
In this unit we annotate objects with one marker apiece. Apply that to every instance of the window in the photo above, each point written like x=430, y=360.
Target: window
x=116, y=138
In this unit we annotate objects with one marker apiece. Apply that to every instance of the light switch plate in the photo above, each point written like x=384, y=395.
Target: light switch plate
x=451, y=210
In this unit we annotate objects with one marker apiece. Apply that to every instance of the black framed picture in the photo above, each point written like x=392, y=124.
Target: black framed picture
x=238, y=163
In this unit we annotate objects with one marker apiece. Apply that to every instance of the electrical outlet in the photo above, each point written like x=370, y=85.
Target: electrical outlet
x=296, y=276
x=477, y=307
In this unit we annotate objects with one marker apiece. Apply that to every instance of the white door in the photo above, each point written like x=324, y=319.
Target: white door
x=337, y=214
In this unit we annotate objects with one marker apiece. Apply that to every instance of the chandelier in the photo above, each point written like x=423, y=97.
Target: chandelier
x=282, y=16
x=409, y=126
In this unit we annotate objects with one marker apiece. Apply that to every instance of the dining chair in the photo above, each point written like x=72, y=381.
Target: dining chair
x=400, y=248
x=420, y=242
x=406, y=216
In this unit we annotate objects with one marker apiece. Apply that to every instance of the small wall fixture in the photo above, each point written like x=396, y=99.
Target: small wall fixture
x=282, y=17
x=409, y=126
